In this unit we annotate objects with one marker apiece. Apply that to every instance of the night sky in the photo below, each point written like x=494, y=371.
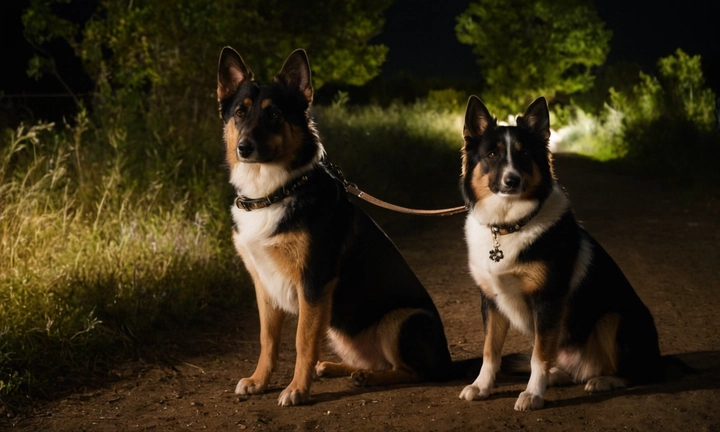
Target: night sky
x=422, y=42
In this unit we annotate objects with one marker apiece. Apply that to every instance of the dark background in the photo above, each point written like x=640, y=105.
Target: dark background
x=422, y=42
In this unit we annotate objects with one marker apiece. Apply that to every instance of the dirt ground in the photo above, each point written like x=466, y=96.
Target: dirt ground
x=666, y=239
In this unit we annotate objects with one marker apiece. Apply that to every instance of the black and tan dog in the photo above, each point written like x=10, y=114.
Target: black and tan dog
x=313, y=253
x=540, y=272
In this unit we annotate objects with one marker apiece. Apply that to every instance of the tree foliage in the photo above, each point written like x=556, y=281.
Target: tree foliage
x=154, y=64
x=527, y=48
x=169, y=49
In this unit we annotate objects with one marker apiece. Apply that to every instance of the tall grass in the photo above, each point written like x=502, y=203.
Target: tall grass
x=91, y=261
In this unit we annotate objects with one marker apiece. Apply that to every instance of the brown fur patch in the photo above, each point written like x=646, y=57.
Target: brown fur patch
x=289, y=251
x=266, y=103
x=231, y=136
x=532, y=276
x=496, y=328
x=334, y=369
x=547, y=345
x=480, y=183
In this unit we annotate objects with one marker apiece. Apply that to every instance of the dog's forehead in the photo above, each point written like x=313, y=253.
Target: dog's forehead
x=256, y=95
x=512, y=137
x=500, y=137
x=246, y=94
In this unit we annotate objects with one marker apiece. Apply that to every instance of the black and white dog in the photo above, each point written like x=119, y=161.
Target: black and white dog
x=539, y=271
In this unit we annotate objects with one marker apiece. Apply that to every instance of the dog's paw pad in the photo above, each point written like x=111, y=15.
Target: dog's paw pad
x=320, y=369
x=603, y=384
x=291, y=397
x=248, y=386
x=529, y=401
x=472, y=392
x=360, y=378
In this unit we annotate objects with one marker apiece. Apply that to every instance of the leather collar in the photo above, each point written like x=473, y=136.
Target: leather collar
x=250, y=204
x=515, y=227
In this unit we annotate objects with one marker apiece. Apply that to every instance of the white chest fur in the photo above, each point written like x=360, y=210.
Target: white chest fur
x=253, y=237
x=499, y=280
x=255, y=229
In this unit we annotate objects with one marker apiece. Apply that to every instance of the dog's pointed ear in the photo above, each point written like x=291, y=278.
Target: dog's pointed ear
x=477, y=119
x=295, y=74
x=232, y=72
x=536, y=118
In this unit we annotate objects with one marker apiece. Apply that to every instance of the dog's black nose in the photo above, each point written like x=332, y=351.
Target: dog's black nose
x=511, y=180
x=245, y=149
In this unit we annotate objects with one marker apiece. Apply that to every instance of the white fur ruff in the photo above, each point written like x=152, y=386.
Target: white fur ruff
x=497, y=279
x=254, y=229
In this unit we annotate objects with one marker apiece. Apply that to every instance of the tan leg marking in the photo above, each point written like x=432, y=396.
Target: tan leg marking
x=334, y=370
x=495, y=332
x=313, y=321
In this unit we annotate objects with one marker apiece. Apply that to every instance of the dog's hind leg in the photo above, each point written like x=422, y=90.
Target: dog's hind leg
x=413, y=347
x=334, y=370
x=604, y=383
x=558, y=377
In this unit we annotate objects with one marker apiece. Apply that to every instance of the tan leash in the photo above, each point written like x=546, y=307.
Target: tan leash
x=352, y=188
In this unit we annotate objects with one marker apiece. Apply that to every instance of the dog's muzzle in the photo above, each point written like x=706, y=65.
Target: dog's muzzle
x=245, y=148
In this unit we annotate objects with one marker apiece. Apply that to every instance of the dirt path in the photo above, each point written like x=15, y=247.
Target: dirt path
x=667, y=242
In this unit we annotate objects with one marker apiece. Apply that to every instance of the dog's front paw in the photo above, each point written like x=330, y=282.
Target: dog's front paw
x=248, y=386
x=360, y=378
x=473, y=392
x=529, y=401
x=293, y=396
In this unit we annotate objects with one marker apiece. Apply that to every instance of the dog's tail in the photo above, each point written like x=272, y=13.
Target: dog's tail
x=468, y=369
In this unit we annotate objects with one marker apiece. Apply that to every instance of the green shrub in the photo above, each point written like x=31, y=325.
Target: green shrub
x=660, y=124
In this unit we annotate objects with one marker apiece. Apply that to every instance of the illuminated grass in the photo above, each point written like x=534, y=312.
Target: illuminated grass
x=88, y=266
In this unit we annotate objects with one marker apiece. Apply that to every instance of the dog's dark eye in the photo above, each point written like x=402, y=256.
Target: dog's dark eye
x=274, y=113
x=491, y=155
x=525, y=154
x=240, y=113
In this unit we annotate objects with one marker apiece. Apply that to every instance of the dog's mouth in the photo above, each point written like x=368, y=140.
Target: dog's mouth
x=508, y=192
